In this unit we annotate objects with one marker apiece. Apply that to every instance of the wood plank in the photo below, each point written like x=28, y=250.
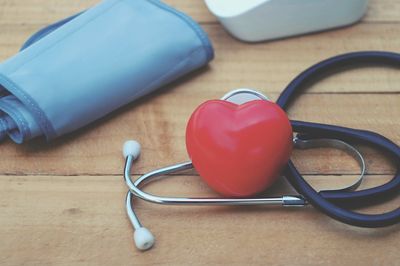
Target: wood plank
x=81, y=221
x=271, y=66
x=44, y=12
x=159, y=124
x=381, y=11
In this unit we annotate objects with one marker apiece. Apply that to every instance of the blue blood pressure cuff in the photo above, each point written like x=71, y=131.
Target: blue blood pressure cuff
x=78, y=70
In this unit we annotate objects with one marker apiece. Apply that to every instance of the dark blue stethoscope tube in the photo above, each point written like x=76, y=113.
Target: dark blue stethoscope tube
x=337, y=204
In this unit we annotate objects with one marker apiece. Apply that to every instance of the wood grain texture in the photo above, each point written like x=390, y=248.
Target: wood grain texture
x=81, y=221
x=271, y=66
x=45, y=11
x=62, y=203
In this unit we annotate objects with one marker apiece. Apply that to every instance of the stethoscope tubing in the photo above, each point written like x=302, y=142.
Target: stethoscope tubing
x=336, y=204
x=332, y=203
x=360, y=198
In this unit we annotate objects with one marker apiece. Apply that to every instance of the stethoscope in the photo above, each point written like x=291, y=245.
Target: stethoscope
x=335, y=203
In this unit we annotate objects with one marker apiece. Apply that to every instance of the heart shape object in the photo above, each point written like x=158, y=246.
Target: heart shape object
x=239, y=150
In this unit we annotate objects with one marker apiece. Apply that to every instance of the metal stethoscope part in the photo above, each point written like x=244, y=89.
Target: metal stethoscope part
x=144, y=239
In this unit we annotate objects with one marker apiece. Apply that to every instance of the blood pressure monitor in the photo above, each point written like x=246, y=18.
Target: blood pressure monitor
x=258, y=20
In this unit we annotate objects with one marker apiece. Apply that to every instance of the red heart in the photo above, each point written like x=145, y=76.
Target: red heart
x=239, y=150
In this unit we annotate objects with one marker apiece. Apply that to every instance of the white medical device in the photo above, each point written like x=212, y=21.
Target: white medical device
x=259, y=20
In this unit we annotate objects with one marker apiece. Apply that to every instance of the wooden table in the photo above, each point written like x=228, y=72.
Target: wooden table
x=62, y=203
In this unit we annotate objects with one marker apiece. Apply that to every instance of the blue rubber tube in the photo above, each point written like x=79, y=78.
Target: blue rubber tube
x=337, y=204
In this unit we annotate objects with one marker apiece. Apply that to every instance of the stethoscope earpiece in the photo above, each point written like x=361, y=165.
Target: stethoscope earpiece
x=131, y=148
x=144, y=239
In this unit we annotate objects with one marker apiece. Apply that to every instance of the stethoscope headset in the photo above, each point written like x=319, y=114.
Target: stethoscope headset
x=338, y=203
